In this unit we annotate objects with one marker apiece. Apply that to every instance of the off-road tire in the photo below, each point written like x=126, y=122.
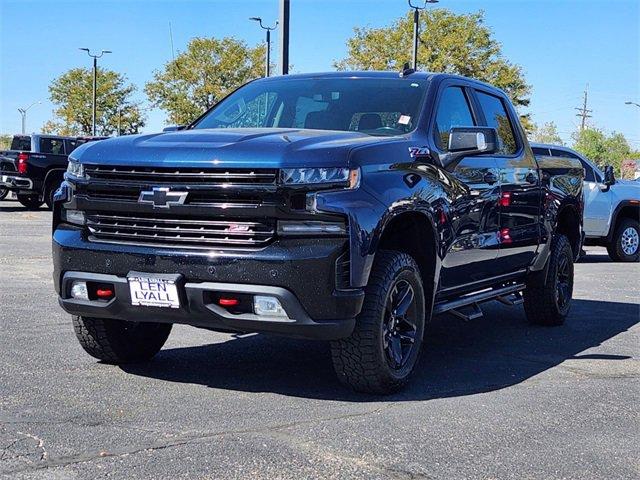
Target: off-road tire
x=31, y=202
x=541, y=299
x=360, y=361
x=118, y=341
x=615, y=249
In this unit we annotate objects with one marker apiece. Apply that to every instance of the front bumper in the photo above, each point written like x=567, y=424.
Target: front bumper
x=299, y=272
x=15, y=182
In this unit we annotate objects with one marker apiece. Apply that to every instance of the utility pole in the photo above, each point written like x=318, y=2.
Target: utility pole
x=416, y=28
x=23, y=114
x=95, y=84
x=268, y=55
x=284, y=37
x=584, y=111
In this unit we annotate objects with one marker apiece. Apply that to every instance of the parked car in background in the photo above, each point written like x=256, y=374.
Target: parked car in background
x=348, y=207
x=34, y=166
x=612, y=207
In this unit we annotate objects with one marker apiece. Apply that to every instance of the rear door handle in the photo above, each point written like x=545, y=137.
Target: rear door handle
x=490, y=178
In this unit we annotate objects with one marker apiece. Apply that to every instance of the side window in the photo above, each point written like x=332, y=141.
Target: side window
x=54, y=146
x=543, y=152
x=588, y=172
x=497, y=117
x=453, y=111
x=70, y=146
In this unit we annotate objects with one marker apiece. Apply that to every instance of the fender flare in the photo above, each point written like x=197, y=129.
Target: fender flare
x=616, y=213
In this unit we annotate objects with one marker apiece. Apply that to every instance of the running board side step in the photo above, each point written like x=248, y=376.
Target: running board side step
x=509, y=295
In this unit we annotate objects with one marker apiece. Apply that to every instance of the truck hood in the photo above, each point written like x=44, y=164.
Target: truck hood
x=238, y=147
x=626, y=189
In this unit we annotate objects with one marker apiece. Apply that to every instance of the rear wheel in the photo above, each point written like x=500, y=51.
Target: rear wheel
x=119, y=341
x=31, y=201
x=625, y=246
x=547, y=300
x=382, y=351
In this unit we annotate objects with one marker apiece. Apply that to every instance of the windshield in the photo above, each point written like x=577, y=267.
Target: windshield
x=373, y=106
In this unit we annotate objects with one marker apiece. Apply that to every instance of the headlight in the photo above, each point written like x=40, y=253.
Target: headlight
x=75, y=169
x=347, y=177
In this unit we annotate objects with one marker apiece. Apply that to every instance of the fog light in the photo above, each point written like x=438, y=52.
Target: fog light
x=79, y=290
x=75, y=217
x=294, y=227
x=268, y=306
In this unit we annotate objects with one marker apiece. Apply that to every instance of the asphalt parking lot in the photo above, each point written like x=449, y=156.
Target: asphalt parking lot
x=494, y=398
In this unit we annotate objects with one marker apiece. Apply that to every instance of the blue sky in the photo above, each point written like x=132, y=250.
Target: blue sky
x=562, y=45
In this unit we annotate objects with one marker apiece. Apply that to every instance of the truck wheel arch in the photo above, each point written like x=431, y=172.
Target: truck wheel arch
x=568, y=224
x=624, y=209
x=414, y=233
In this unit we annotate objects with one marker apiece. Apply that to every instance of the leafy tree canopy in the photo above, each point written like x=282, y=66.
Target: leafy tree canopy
x=202, y=75
x=547, y=133
x=601, y=148
x=450, y=43
x=72, y=93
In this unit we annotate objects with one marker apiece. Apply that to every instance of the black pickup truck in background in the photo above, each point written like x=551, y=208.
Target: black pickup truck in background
x=34, y=166
x=348, y=206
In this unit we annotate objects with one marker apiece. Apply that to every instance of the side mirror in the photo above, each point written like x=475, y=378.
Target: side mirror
x=173, y=128
x=469, y=141
x=609, y=176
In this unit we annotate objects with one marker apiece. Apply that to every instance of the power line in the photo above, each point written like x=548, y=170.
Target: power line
x=584, y=111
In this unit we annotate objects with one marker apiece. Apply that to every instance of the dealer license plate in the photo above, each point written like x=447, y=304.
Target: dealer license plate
x=153, y=292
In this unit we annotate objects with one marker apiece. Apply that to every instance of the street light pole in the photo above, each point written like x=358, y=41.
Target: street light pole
x=416, y=28
x=632, y=103
x=23, y=114
x=95, y=84
x=268, y=54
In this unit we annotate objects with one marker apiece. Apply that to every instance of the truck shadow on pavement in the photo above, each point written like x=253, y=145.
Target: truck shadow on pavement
x=497, y=351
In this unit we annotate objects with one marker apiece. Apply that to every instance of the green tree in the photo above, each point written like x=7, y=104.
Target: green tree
x=5, y=141
x=72, y=93
x=450, y=43
x=202, y=75
x=603, y=149
x=547, y=133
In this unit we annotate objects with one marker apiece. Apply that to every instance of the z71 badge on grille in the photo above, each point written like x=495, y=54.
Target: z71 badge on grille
x=161, y=197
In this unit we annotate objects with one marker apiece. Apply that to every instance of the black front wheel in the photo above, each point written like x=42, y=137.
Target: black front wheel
x=3, y=193
x=547, y=298
x=119, y=341
x=382, y=351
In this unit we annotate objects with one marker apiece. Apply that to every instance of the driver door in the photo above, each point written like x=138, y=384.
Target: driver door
x=473, y=212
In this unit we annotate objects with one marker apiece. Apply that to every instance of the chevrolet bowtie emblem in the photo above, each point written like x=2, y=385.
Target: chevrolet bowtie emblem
x=161, y=197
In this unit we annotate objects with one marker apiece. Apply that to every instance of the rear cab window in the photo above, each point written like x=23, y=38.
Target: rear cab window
x=22, y=143
x=495, y=113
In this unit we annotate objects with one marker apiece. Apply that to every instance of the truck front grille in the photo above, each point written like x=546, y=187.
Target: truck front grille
x=181, y=176
x=177, y=231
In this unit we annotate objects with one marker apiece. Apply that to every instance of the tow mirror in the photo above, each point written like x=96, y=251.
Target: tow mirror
x=469, y=141
x=173, y=128
x=609, y=178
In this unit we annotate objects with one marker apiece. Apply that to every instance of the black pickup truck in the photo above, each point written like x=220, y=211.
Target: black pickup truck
x=348, y=207
x=34, y=166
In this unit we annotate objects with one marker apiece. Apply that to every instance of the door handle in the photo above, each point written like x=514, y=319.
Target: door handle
x=490, y=178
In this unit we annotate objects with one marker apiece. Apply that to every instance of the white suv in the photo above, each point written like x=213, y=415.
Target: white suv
x=611, y=207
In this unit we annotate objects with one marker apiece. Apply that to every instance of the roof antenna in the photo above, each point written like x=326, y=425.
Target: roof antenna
x=406, y=70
